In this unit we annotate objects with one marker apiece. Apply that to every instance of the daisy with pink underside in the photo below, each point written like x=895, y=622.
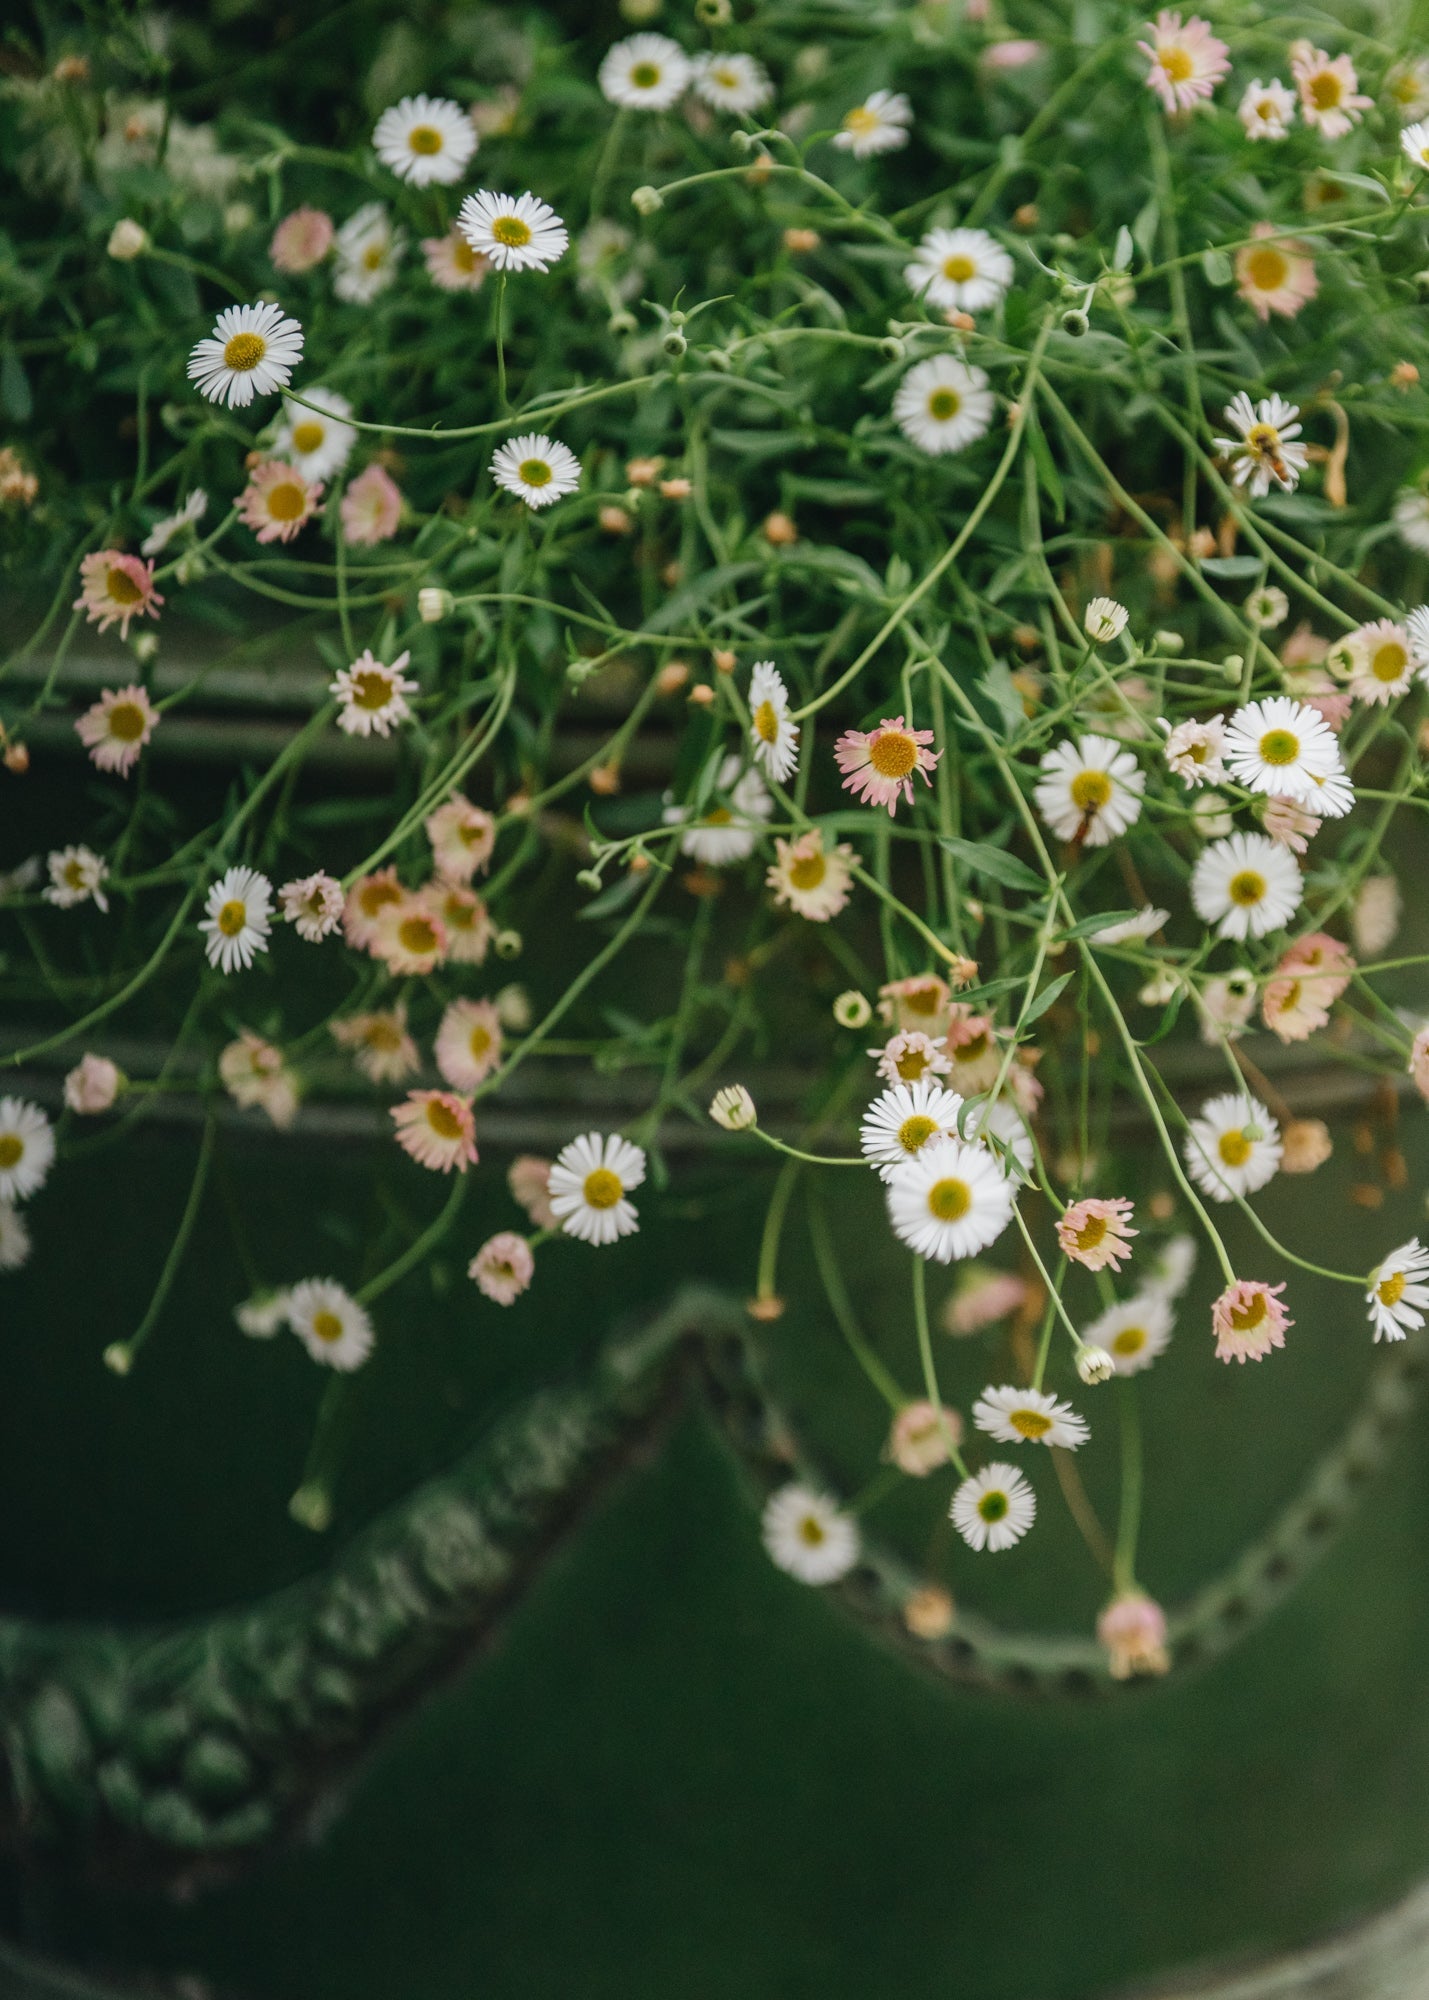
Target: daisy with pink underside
x=371, y=696
x=380, y=1044
x=919, y=1002
x=462, y=838
x=1330, y=96
x=368, y=897
x=277, y=501
x=468, y=1044
x=1187, y=62
x=1248, y=1320
x=529, y=1179
x=1275, y=273
x=371, y=508
x=302, y=239
x=436, y=1127
x=409, y=939
x=502, y=1268
x=115, y=588
x=313, y=905
x=911, y=1055
x=117, y=727
x=464, y=918
x=1096, y=1233
x=452, y=264
x=878, y=764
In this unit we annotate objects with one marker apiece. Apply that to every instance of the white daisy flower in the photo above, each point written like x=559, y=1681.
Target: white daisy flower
x=1029, y=1416
x=163, y=532
x=588, y=1185
x=1233, y=1147
x=1411, y=518
x=807, y=1537
x=902, y=1120
x=962, y=270
x=1168, y=1268
x=773, y=737
x=372, y=696
x=994, y=1508
x=942, y=405
x=1089, y=791
x=512, y=232
x=536, y=469
x=1105, y=620
x=727, y=830
x=317, y=441
x=1265, y=453
x=1267, y=607
x=1196, y=751
x=27, y=1148
x=236, y=918
x=77, y=875
x=1147, y=921
x=1383, y=661
x=1246, y=885
x=14, y=1238
x=1134, y=1332
x=737, y=83
x=252, y=351
x=1003, y=1122
x=734, y=1109
x=262, y=1316
x=330, y=1323
x=878, y=125
x=1416, y=627
x=1397, y=1291
x=425, y=139
x=951, y=1200
x=644, y=73
x=366, y=253
x=1267, y=110
x=1283, y=747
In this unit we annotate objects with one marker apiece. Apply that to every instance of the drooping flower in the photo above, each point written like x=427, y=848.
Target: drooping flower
x=773, y=735
x=994, y=1508
x=806, y=1535
x=468, y=1044
x=962, y=270
x=537, y=469
x=1397, y=1291
x=1275, y=273
x=727, y=830
x=878, y=125
x=425, y=140
x=1233, y=1147
x=409, y=938
x=317, y=441
x=366, y=900
x=262, y=1316
x=380, y=1044
x=465, y=919
x=255, y=1076
x=502, y=1268
x=1411, y=518
x=372, y=696
x=1187, y=62
x=252, y=351
x=1133, y=1332
x=1104, y=620
x=1097, y=1233
x=981, y=1299
x=1195, y=751
x=736, y=82
x=909, y=1055
x=1267, y=110
x=644, y=73
x=1375, y=914
x=950, y=1201
x=115, y=588
x=733, y=1109
x=1289, y=823
x=236, y=922
x=277, y=501
x=1248, y=1320
x=436, y=1127
x=452, y=264
x=301, y=240
x=1090, y=791
x=1029, y=1416
x=14, y=1238
x=1307, y=1145
x=513, y=233
x=529, y=1179
x=1419, y=1062
x=77, y=875
x=971, y=1044
x=812, y=880
x=942, y=405
x=313, y=904
x=1246, y=886
x=878, y=764
x=163, y=532
x=589, y=1183
x=919, y=1002
x=1266, y=452
x=330, y=1323
x=27, y=1149
x=1133, y=1630
x=921, y=1436
x=1330, y=96
x=371, y=508
x=368, y=251
x=905, y=1118
x=462, y=838
x=92, y=1085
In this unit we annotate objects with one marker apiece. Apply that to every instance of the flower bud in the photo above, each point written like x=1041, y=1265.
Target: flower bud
x=892, y=348
x=507, y=944
x=127, y=240
x=92, y=1085
x=589, y=878
x=647, y=201
x=1094, y=1364
x=852, y=1010
x=621, y=323
x=674, y=344
x=434, y=605
x=1075, y=323
x=733, y=1108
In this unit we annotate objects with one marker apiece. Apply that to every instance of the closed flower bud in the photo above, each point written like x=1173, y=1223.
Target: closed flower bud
x=852, y=1010
x=127, y=240
x=1094, y=1364
x=508, y=944
x=647, y=201
x=733, y=1108
x=1076, y=323
x=892, y=348
x=674, y=344
x=434, y=605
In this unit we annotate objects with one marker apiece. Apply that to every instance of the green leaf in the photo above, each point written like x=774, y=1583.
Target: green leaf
x=993, y=862
x=1125, y=245
x=620, y=892
x=1102, y=920
x=1047, y=474
x=1216, y=267
x=1046, y=998
x=15, y=397
x=1232, y=568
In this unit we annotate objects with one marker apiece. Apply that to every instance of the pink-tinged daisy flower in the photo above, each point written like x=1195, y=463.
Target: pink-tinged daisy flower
x=502, y=1268
x=462, y=838
x=529, y=1179
x=236, y=918
x=1275, y=274
x=372, y=696
x=301, y=240
x=452, y=264
x=878, y=764
x=1133, y=1630
x=1324, y=959
x=1267, y=110
x=1195, y=751
x=277, y=501
x=368, y=897
x=77, y=875
x=371, y=508
x=1419, y=1062
x=920, y=1438
x=1097, y=1233
x=1289, y=823
x=812, y=880
x=465, y=919
x=981, y=1299
x=910, y=1056
x=115, y=588
x=1292, y=1008
x=253, y=1073
x=1248, y=1320
x=1186, y=62
x=117, y=727
x=410, y=939
x=313, y=905
x=92, y=1086
x=468, y=1045
x=1383, y=665
x=436, y=1127
x=1330, y=95
x=970, y=1044
x=589, y=1183
x=919, y=1002
x=332, y=1326
x=380, y=1044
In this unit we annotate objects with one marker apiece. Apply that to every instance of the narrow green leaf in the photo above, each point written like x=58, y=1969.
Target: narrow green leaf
x=1046, y=997
x=995, y=863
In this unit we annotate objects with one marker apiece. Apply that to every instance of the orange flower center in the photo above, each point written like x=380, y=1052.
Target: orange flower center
x=893, y=753
x=287, y=500
x=1267, y=269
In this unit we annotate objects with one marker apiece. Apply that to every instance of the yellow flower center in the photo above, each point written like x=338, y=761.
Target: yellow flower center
x=1263, y=441
x=1091, y=790
x=512, y=231
x=478, y=1042
x=374, y=256
x=860, y=120
x=12, y=1149
x=243, y=352
x=424, y=139
x=418, y=935
x=993, y=1506
x=1279, y=746
x=808, y=871
x=1388, y=661
x=307, y=436
x=922, y=1000
x=443, y=1120
x=1246, y=1318
x=287, y=501
x=645, y=75
x=893, y=753
x=1177, y=64
x=534, y=472
x=973, y=1049
x=602, y=1188
x=915, y=1132
x=232, y=917
x=725, y=79
x=1391, y=1289
x=911, y=1065
x=74, y=875
x=959, y=268
x=1247, y=888
x=463, y=256
x=766, y=722
x=372, y=690
x=1267, y=269
x=460, y=914
x=944, y=404
x=1234, y=1148
x=126, y=721
x=1091, y=1232
x=121, y=586
x=949, y=1200
x=376, y=896
x=1326, y=90
x=326, y=1325
x=811, y=1531
x=1030, y=1423
x=382, y=1032
x=1130, y=1340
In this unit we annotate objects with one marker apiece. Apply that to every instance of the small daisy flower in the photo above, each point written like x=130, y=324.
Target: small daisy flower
x=468, y=1044
x=1195, y=751
x=1186, y=62
x=236, y=918
x=773, y=737
x=313, y=904
x=942, y=405
x=536, y=469
x=371, y=508
x=905, y=1118
x=1322, y=959
x=252, y=351
x=1283, y=746
x=262, y=1316
x=1267, y=607
x=812, y=880
x=737, y=83
x=14, y=1238
x=911, y=1055
x=77, y=875
x=1411, y=518
x=878, y=125
x=368, y=251
x=330, y=1323
x=971, y=1044
x=436, y=1127
x=1374, y=917
x=1267, y=110
x=1397, y=1291
x=1384, y=664
x=1105, y=620
x=589, y=1183
x=728, y=830
x=1133, y=1332
x=301, y=240
x=1265, y=453
x=1307, y=1145
x=380, y=1044
x=465, y=919
x=919, y=1002
x=529, y=1179
x=961, y=270
x=462, y=838
x=1133, y=1630
x=253, y=1073
x=27, y=1149
x=316, y=442
x=163, y=532
x=1407, y=86
x=409, y=939
x=982, y=1298
x=1097, y=1233
x=994, y=1508
x=733, y=1109
x=1029, y=1416
x=1147, y=921
x=950, y=1201
x=1233, y=1147
x=513, y=232
x=1275, y=273
x=452, y=264
x=878, y=764
x=425, y=140
x=117, y=727
x=277, y=501
x=1415, y=141
x=806, y=1536
x=1292, y=1008
x=1246, y=886
x=368, y=897
x=115, y=588
x=1089, y=791
x=644, y=73
x=502, y=1268
x=919, y=1440
x=1248, y=1320
x=1330, y=96
x=372, y=696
